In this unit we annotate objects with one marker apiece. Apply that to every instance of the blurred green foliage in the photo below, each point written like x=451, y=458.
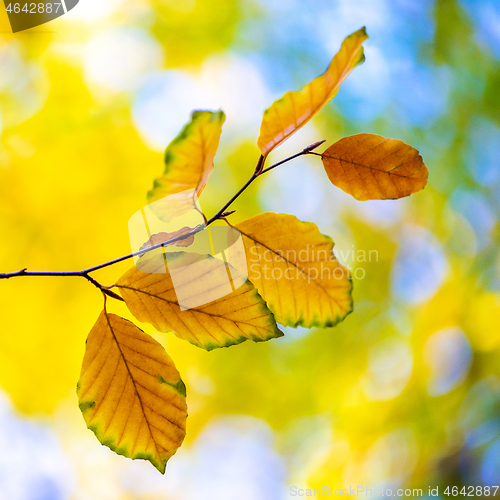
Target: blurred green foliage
x=406, y=391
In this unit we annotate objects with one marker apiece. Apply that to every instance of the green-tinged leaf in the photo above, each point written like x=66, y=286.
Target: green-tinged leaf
x=224, y=308
x=188, y=164
x=287, y=115
x=130, y=393
x=370, y=167
x=293, y=266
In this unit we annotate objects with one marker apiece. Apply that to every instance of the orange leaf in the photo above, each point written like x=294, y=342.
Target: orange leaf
x=212, y=319
x=130, y=393
x=287, y=115
x=370, y=167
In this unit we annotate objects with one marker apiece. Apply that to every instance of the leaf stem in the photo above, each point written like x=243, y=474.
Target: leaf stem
x=259, y=170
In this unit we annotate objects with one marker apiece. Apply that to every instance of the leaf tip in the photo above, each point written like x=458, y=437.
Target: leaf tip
x=279, y=333
x=215, y=116
x=361, y=33
x=161, y=468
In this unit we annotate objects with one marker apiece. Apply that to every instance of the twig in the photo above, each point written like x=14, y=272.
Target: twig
x=82, y=274
x=259, y=170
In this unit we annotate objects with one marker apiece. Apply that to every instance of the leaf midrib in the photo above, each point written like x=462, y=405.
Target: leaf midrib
x=135, y=389
x=201, y=311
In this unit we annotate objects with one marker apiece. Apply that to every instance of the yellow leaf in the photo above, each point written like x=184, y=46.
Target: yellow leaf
x=230, y=310
x=130, y=393
x=188, y=164
x=293, y=266
x=287, y=115
x=369, y=167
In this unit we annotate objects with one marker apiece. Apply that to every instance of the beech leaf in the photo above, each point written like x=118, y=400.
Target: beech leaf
x=230, y=309
x=188, y=164
x=130, y=393
x=293, y=266
x=288, y=114
x=370, y=167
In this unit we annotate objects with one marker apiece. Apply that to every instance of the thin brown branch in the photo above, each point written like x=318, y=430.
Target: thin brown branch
x=259, y=170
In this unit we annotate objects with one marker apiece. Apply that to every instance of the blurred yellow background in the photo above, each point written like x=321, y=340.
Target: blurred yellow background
x=405, y=392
